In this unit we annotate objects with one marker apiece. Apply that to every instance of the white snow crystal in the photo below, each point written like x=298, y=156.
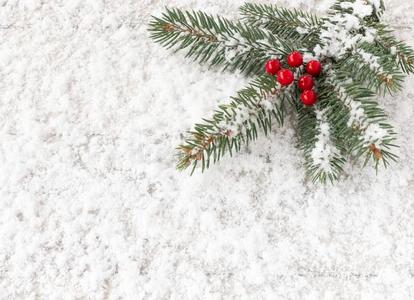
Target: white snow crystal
x=357, y=114
x=234, y=40
x=374, y=134
x=308, y=56
x=324, y=129
x=370, y=59
x=375, y=3
x=323, y=151
x=339, y=32
x=234, y=45
x=267, y=105
x=231, y=53
x=235, y=125
x=360, y=8
x=302, y=30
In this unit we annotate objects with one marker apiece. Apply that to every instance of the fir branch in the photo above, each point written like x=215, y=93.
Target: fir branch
x=291, y=24
x=323, y=159
x=345, y=7
x=360, y=113
x=399, y=51
x=234, y=124
x=377, y=73
x=217, y=41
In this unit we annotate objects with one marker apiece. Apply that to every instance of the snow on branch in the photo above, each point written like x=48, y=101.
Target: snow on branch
x=324, y=151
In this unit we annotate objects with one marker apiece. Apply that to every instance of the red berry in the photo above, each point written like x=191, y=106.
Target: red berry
x=314, y=67
x=305, y=82
x=308, y=97
x=285, y=77
x=272, y=66
x=295, y=59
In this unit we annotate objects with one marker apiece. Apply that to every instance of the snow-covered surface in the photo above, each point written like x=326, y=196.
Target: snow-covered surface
x=91, y=206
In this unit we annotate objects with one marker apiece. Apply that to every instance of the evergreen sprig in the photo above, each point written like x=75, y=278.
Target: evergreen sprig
x=284, y=23
x=398, y=51
x=385, y=79
x=309, y=128
x=217, y=41
x=346, y=123
x=378, y=8
x=254, y=108
x=338, y=93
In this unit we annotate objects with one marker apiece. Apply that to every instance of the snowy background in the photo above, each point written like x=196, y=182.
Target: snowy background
x=91, y=206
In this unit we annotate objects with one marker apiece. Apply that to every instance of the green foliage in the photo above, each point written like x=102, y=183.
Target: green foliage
x=337, y=92
x=284, y=23
x=388, y=78
x=234, y=124
x=347, y=111
x=397, y=51
x=212, y=40
x=374, y=17
x=309, y=128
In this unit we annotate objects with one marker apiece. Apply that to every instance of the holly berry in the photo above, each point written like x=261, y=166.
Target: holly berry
x=305, y=83
x=272, y=66
x=314, y=67
x=285, y=77
x=308, y=97
x=295, y=59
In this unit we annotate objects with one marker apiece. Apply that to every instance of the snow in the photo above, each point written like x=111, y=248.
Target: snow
x=234, y=45
x=240, y=121
x=359, y=8
x=91, y=206
x=370, y=60
x=324, y=152
x=374, y=134
x=357, y=115
x=342, y=32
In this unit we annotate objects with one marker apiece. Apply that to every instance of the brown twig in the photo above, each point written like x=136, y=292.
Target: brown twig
x=375, y=152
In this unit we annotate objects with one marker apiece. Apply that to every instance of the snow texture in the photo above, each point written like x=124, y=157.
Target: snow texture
x=339, y=34
x=91, y=206
x=324, y=152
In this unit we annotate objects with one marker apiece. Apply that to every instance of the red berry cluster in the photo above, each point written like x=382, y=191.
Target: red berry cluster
x=305, y=83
